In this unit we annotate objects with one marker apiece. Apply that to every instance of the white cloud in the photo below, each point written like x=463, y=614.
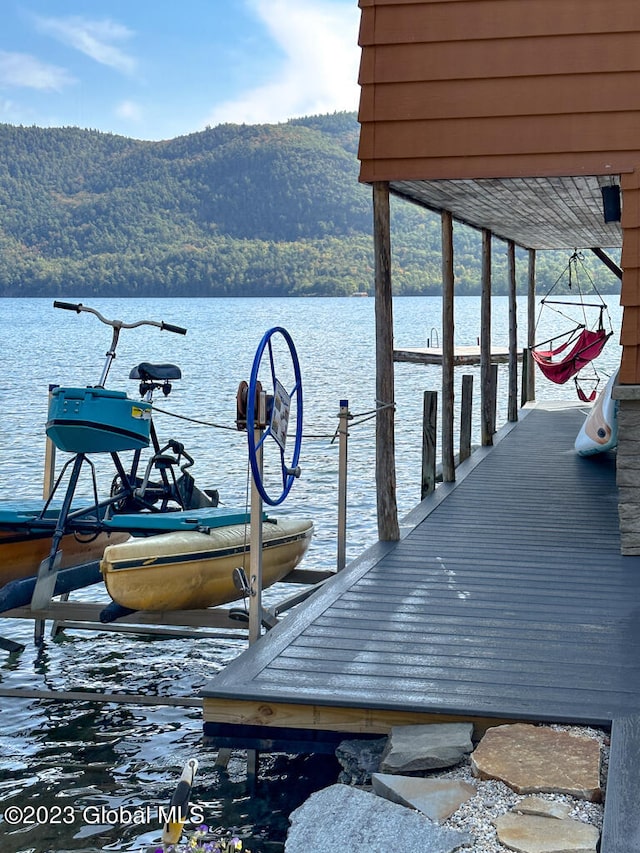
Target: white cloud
x=97, y=39
x=23, y=70
x=129, y=110
x=320, y=70
x=8, y=109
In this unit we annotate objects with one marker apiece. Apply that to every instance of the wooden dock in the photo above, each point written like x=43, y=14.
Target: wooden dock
x=506, y=599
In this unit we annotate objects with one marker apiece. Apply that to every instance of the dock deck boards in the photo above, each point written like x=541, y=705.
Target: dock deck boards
x=506, y=598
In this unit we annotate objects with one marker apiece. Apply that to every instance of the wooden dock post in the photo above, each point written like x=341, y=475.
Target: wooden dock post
x=343, y=441
x=255, y=554
x=524, y=390
x=466, y=413
x=388, y=527
x=485, y=342
x=49, y=461
x=429, y=441
x=512, y=406
x=448, y=282
x=492, y=399
x=531, y=324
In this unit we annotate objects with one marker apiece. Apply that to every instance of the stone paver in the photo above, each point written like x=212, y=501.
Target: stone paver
x=536, y=759
x=533, y=834
x=438, y=799
x=543, y=808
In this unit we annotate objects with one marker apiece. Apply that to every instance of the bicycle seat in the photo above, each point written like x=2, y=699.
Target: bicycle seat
x=148, y=372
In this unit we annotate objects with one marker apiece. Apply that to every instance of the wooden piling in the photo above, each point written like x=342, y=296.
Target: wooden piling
x=524, y=390
x=388, y=528
x=492, y=399
x=466, y=412
x=429, y=432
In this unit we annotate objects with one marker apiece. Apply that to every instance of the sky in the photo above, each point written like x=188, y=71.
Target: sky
x=157, y=69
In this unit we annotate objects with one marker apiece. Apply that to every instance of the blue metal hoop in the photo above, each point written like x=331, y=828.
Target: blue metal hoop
x=287, y=469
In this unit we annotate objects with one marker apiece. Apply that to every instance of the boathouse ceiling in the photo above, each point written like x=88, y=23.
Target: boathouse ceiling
x=536, y=213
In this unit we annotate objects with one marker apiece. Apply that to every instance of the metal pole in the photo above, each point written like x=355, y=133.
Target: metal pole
x=255, y=560
x=343, y=437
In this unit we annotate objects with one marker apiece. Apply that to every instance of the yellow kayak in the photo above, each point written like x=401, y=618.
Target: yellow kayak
x=189, y=570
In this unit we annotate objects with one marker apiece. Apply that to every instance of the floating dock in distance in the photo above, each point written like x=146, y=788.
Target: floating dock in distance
x=461, y=355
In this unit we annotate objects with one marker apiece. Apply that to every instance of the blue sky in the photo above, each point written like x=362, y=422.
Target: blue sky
x=156, y=69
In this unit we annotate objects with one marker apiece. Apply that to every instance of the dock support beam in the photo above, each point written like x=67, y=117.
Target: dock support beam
x=487, y=419
x=448, y=282
x=531, y=325
x=388, y=528
x=512, y=406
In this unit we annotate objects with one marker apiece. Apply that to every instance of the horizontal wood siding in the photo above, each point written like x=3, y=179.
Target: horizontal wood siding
x=452, y=20
x=480, y=167
x=519, y=136
x=495, y=59
x=518, y=87
x=518, y=96
x=630, y=293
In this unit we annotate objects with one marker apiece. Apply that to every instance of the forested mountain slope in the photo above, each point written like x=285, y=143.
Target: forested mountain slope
x=234, y=210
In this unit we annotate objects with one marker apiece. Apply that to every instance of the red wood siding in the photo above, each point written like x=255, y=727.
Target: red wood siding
x=513, y=85
x=630, y=296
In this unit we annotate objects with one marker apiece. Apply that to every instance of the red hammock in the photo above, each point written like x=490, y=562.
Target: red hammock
x=588, y=345
x=582, y=394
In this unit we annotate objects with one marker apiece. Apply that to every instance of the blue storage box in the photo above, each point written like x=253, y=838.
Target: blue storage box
x=97, y=420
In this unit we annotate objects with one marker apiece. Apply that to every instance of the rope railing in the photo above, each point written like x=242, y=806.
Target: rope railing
x=355, y=420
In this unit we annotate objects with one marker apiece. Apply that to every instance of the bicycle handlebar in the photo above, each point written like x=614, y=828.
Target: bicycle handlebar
x=69, y=306
x=169, y=328
x=119, y=324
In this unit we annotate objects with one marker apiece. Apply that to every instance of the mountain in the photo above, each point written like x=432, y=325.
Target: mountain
x=234, y=210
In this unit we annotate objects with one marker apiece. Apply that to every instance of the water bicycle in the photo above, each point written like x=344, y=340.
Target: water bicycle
x=157, y=541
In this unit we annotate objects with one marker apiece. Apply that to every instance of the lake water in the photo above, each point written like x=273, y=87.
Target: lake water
x=92, y=756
